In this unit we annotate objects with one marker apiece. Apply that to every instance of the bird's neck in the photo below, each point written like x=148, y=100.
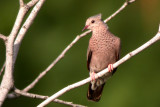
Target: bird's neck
x=100, y=30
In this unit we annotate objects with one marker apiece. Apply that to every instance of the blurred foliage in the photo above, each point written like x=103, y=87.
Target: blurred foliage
x=136, y=83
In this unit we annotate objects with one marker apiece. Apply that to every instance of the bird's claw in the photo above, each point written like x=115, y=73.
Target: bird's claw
x=110, y=67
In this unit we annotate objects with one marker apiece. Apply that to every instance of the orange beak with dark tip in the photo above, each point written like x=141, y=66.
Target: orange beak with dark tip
x=85, y=27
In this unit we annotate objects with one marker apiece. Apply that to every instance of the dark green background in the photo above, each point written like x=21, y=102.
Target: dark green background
x=136, y=82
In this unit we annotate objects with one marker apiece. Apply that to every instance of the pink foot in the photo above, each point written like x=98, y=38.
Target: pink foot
x=110, y=67
x=92, y=75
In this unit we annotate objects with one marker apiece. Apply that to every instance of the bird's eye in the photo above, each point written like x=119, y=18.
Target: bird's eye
x=92, y=21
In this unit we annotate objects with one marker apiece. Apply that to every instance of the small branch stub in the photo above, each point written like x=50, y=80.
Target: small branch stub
x=3, y=37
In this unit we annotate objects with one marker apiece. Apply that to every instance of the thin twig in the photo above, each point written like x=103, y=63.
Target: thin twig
x=30, y=86
x=17, y=93
x=31, y=95
x=119, y=10
x=100, y=74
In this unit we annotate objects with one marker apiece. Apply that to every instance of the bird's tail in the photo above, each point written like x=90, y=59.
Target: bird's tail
x=95, y=95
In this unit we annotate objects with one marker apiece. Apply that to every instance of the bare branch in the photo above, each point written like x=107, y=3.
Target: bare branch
x=31, y=95
x=30, y=86
x=3, y=37
x=7, y=80
x=26, y=25
x=18, y=93
x=22, y=12
x=119, y=10
x=100, y=74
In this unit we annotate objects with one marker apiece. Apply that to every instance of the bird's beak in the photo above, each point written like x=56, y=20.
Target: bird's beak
x=85, y=27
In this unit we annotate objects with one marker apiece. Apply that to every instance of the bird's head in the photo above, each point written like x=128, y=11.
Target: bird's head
x=92, y=22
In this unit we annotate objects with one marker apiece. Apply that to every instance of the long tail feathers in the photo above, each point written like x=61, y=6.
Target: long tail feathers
x=95, y=95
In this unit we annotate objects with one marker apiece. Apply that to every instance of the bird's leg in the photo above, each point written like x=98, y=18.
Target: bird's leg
x=110, y=67
x=92, y=75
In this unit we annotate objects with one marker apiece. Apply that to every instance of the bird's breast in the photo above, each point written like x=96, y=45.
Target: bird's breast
x=101, y=44
x=103, y=52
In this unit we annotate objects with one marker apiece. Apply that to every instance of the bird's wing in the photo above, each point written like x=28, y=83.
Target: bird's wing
x=89, y=56
x=117, y=52
x=118, y=49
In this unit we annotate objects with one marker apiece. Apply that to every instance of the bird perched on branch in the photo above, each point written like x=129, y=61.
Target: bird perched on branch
x=103, y=51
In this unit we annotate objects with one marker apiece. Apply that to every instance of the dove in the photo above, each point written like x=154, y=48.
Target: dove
x=103, y=51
